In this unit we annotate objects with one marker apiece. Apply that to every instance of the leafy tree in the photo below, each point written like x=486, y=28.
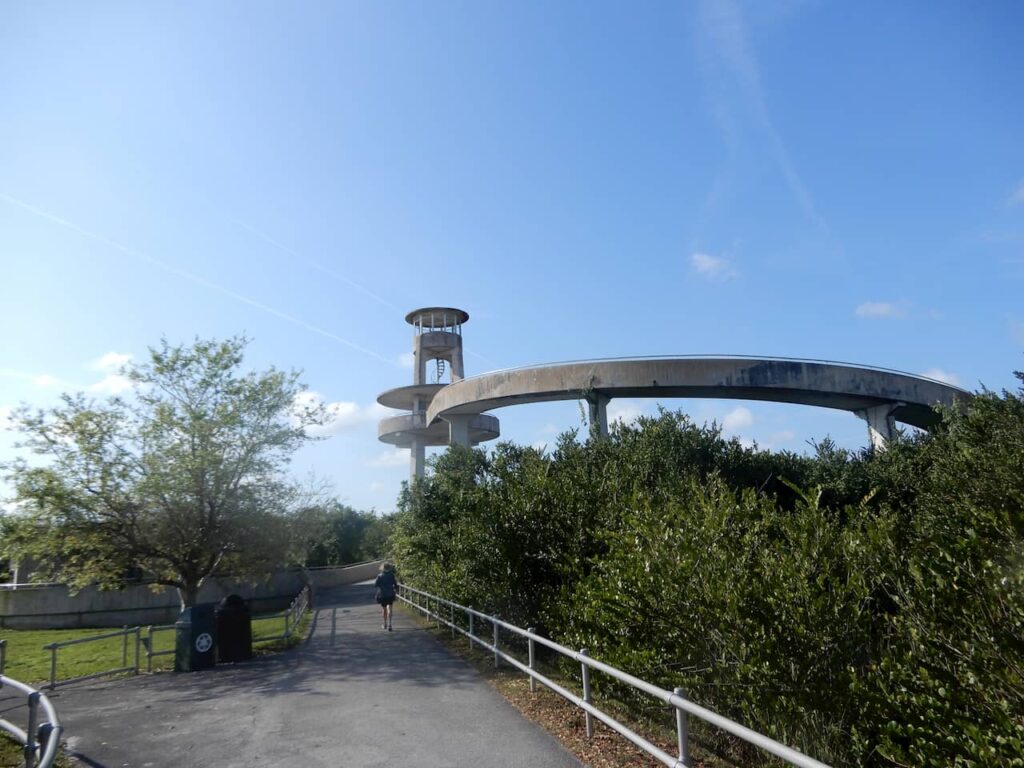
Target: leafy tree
x=182, y=479
x=344, y=535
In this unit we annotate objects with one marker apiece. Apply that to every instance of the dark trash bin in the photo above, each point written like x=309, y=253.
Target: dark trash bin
x=195, y=639
x=234, y=630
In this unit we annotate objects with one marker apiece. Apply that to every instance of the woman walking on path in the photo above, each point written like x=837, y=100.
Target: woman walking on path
x=387, y=585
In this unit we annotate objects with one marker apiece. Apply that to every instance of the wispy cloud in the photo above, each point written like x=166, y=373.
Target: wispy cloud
x=778, y=439
x=40, y=380
x=713, y=267
x=730, y=66
x=1016, y=329
x=111, y=384
x=296, y=256
x=396, y=457
x=736, y=419
x=940, y=375
x=1017, y=196
x=342, y=416
x=196, y=279
x=625, y=410
x=880, y=309
x=111, y=361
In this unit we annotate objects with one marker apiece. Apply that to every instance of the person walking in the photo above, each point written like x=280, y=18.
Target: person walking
x=387, y=585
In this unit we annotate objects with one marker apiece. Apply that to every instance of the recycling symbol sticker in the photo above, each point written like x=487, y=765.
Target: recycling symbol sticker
x=204, y=642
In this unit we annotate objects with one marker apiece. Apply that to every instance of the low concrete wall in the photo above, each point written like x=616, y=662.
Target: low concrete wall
x=336, y=576
x=53, y=607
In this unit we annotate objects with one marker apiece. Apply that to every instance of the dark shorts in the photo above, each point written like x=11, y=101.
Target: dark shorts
x=385, y=599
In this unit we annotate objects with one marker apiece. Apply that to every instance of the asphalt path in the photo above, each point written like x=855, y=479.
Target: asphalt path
x=353, y=696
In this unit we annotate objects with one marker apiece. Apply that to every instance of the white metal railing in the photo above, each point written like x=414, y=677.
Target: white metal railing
x=292, y=616
x=148, y=645
x=423, y=602
x=125, y=666
x=39, y=741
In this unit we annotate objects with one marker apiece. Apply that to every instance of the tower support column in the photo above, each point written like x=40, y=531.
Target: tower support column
x=458, y=429
x=881, y=423
x=417, y=458
x=599, y=413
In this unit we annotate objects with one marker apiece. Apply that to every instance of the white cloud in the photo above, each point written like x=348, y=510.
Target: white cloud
x=407, y=360
x=342, y=416
x=712, y=267
x=112, y=384
x=41, y=380
x=880, y=309
x=396, y=457
x=777, y=439
x=626, y=411
x=940, y=375
x=377, y=485
x=46, y=381
x=736, y=419
x=111, y=361
x=540, y=446
x=1017, y=197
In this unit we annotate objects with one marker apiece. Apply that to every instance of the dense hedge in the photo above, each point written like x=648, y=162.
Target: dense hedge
x=864, y=608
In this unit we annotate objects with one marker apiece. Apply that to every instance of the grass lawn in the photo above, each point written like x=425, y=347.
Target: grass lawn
x=29, y=662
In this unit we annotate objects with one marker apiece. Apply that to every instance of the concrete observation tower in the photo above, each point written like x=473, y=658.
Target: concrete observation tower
x=437, y=340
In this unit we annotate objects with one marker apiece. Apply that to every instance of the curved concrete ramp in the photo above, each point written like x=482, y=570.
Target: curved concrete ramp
x=878, y=395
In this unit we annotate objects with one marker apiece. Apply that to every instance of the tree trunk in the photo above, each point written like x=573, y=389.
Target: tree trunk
x=188, y=594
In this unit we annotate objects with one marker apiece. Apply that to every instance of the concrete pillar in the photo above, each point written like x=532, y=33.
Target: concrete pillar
x=417, y=458
x=458, y=368
x=458, y=429
x=419, y=362
x=599, y=412
x=881, y=423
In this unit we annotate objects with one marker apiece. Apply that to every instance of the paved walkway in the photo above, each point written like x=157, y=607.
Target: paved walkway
x=354, y=696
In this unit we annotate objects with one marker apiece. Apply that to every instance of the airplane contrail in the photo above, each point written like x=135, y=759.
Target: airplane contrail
x=309, y=262
x=189, y=276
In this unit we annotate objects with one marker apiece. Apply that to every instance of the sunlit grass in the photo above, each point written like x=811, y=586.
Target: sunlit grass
x=28, y=661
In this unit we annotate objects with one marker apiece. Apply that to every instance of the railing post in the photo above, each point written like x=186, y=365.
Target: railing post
x=452, y=606
x=495, y=624
x=124, y=646
x=586, y=693
x=3, y=657
x=53, y=665
x=682, y=730
x=287, y=629
x=469, y=612
x=533, y=682
x=30, y=732
x=138, y=642
x=149, y=649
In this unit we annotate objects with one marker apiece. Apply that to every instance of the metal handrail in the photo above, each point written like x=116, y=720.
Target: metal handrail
x=36, y=735
x=676, y=698
x=125, y=666
x=292, y=616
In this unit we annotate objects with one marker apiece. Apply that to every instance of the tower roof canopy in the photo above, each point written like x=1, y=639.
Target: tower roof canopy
x=437, y=317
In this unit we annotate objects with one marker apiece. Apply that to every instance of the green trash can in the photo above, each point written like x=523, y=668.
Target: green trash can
x=195, y=639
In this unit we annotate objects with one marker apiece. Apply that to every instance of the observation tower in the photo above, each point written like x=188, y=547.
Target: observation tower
x=437, y=362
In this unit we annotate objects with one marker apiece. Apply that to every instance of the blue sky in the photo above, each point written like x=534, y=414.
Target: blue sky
x=808, y=179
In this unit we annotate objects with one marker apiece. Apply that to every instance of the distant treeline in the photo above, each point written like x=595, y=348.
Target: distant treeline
x=339, y=535
x=865, y=608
